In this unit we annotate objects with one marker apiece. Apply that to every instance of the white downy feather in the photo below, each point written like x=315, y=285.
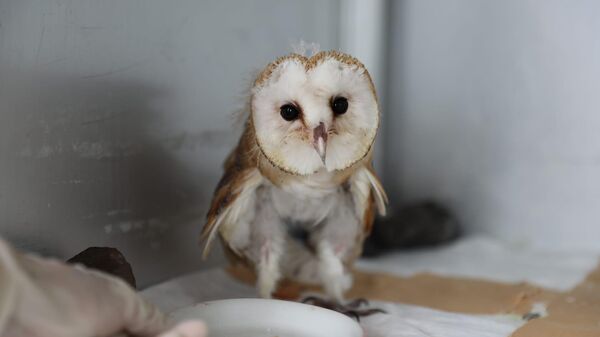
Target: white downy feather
x=230, y=216
x=381, y=198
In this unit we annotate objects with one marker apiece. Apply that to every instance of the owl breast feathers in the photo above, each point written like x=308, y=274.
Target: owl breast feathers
x=298, y=193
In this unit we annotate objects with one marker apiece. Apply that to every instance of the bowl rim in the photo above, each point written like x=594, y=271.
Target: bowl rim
x=352, y=324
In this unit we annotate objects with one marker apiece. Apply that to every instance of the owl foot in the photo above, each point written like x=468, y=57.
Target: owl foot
x=353, y=309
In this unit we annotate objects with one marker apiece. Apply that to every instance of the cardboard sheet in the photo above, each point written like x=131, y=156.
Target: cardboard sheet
x=468, y=290
x=573, y=314
x=569, y=314
x=438, y=292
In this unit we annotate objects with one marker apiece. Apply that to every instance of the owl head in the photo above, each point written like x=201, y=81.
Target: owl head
x=317, y=113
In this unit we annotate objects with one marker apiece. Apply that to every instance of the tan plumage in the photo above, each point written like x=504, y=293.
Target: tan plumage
x=258, y=173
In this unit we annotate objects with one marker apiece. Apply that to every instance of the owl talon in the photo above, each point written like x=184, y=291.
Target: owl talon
x=351, y=309
x=353, y=314
x=357, y=303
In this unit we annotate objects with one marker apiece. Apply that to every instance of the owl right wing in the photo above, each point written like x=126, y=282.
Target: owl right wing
x=233, y=196
x=235, y=191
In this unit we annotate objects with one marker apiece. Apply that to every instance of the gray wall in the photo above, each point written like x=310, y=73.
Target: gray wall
x=115, y=117
x=495, y=110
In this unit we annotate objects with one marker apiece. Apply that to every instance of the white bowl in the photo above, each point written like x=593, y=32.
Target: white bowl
x=269, y=318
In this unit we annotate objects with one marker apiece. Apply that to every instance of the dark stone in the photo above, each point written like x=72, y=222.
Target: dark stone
x=418, y=225
x=108, y=260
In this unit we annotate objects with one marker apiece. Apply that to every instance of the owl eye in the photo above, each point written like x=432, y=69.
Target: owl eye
x=289, y=112
x=339, y=105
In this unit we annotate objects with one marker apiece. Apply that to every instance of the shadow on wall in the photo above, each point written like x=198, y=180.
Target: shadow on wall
x=92, y=162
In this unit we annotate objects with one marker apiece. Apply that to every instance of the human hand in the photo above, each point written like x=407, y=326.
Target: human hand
x=45, y=297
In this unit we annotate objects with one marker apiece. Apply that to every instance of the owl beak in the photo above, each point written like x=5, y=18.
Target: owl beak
x=320, y=140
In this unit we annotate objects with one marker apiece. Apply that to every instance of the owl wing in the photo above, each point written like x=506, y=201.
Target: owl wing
x=235, y=190
x=368, y=195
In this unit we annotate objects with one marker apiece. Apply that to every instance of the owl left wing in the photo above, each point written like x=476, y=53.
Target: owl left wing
x=235, y=192
x=368, y=194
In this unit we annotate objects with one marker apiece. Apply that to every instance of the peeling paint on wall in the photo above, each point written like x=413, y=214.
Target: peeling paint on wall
x=149, y=226
x=101, y=150
x=88, y=150
x=119, y=116
x=44, y=151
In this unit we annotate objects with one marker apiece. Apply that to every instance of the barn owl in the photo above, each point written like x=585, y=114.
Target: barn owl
x=298, y=194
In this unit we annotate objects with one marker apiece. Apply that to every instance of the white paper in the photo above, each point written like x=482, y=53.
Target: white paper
x=489, y=259
x=414, y=321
